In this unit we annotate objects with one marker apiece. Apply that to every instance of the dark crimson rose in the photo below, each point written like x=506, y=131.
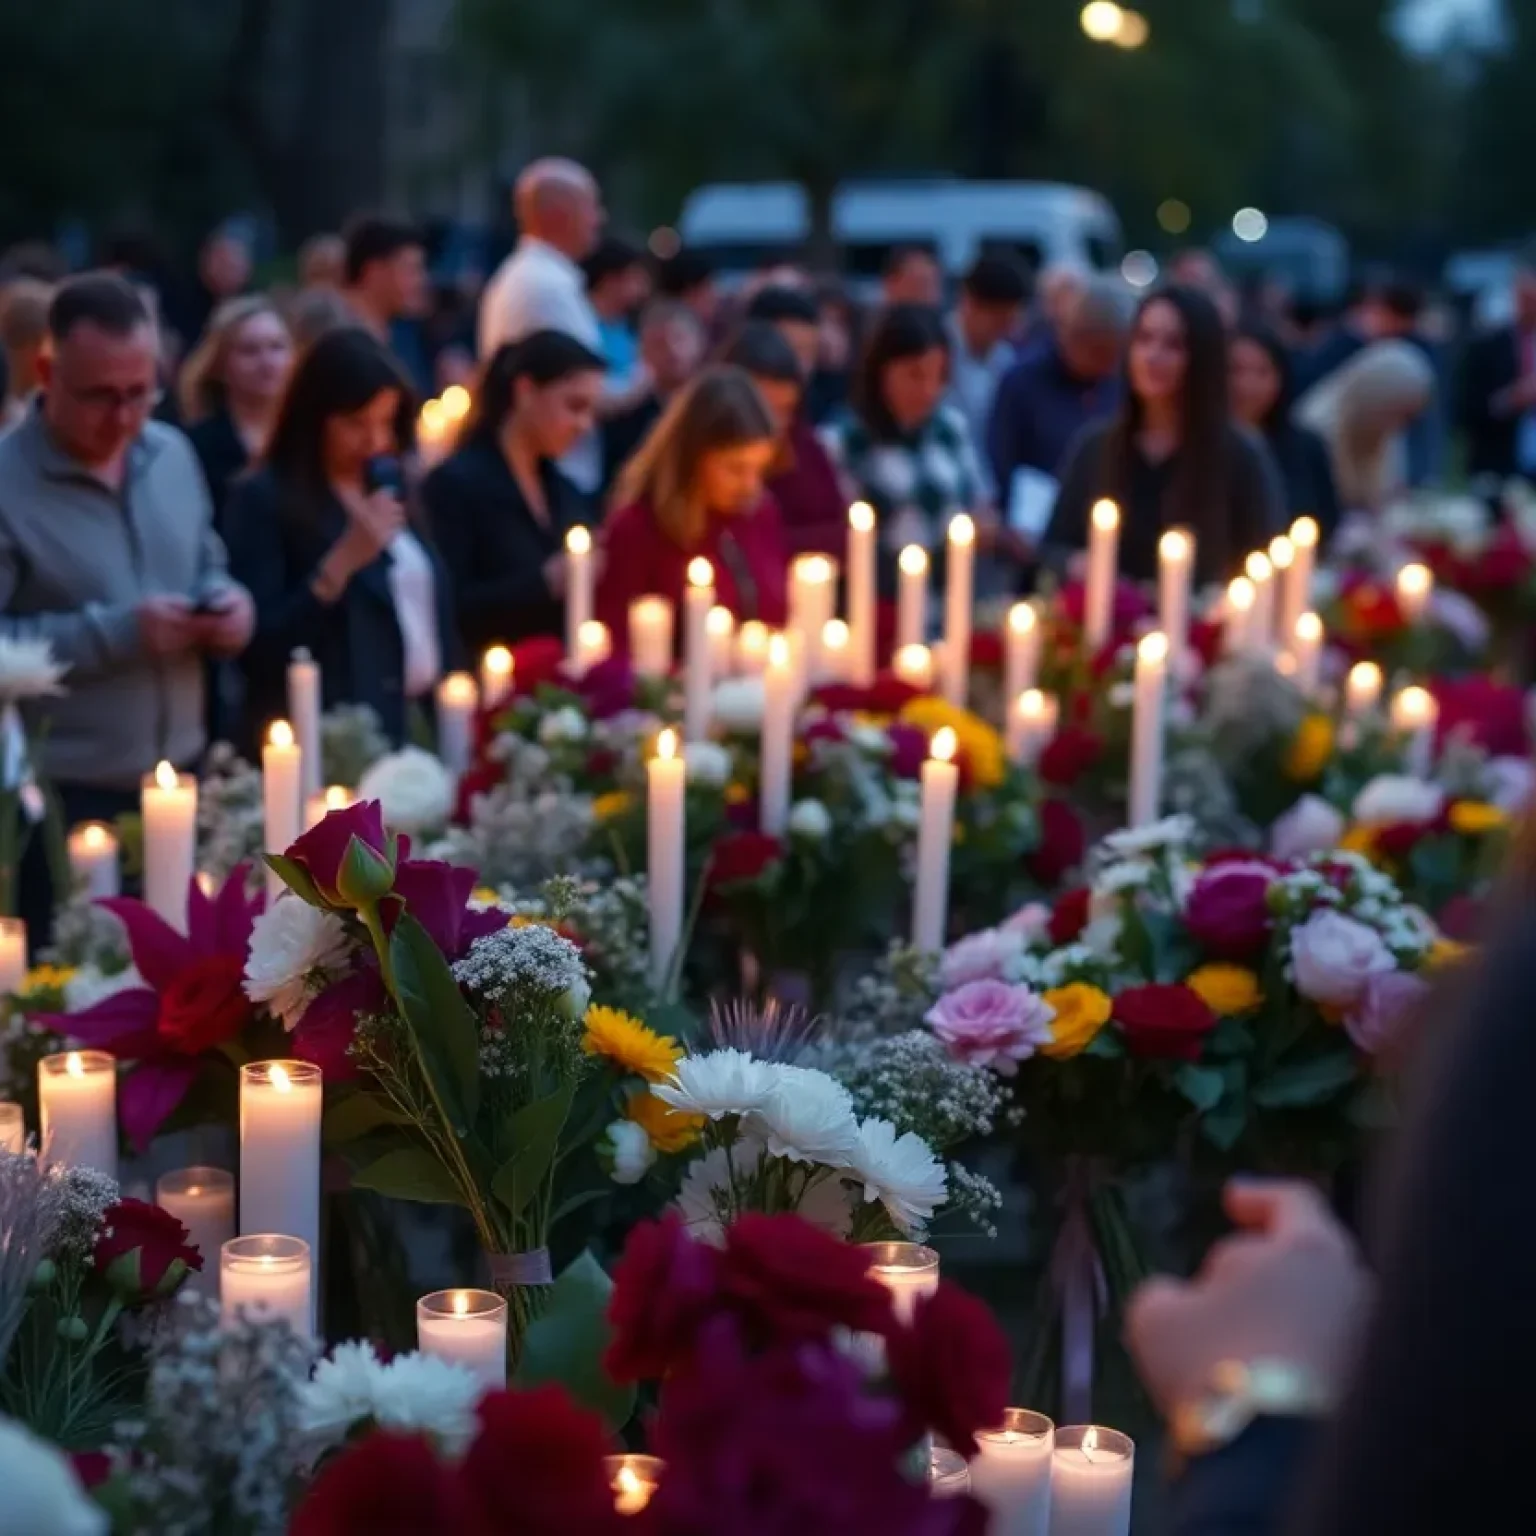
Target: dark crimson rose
x=1228, y=911
x=608, y=688
x=93, y=1468
x=437, y=896
x=743, y=856
x=1068, y=755
x=1069, y=915
x=1370, y=607
x=324, y=1034
x=1398, y=839
x=1490, y=714
x=909, y=750
x=204, y=1006
x=601, y=763
x=951, y=1368
x=1164, y=1022
x=1206, y=640
x=348, y=856
x=887, y=695
x=538, y=662
x=1130, y=607
x=1503, y=563
x=386, y=1484
x=664, y=1287
x=987, y=649
x=824, y=729
x=143, y=1252
x=1062, y=843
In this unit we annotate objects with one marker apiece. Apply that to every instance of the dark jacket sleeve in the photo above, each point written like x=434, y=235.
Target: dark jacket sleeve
x=1325, y=493
x=1246, y=1488
x=1081, y=485
x=1491, y=364
x=1258, y=501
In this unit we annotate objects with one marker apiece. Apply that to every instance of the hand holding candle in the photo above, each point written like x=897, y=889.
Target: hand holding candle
x=936, y=834
x=1099, y=590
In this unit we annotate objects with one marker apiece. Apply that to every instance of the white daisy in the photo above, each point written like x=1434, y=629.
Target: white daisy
x=436, y=1397
x=808, y=1118
x=719, y=1083
x=292, y=945
x=900, y=1172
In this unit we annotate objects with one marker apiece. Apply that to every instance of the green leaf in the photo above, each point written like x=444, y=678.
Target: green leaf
x=535, y=1132
x=1202, y=1086
x=1307, y=1083
x=411, y=1173
x=566, y=1343
x=295, y=877
x=573, y=1203
x=1224, y=1126
x=440, y=1020
x=358, y=1114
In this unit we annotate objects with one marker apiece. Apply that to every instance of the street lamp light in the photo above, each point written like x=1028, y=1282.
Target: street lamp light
x=1174, y=215
x=1133, y=31
x=1102, y=20
x=1249, y=225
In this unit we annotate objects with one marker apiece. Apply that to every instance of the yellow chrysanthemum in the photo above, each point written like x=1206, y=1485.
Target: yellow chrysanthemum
x=46, y=978
x=1360, y=839
x=737, y=794
x=980, y=745
x=627, y=1043
x=485, y=895
x=668, y=1129
x=614, y=804
x=1444, y=952
x=1476, y=818
x=1227, y=990
x=1310, y=749
x=1081, y=1012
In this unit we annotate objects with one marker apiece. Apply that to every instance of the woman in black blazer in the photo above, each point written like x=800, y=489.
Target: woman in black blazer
x=321, y=536
x=500, y=507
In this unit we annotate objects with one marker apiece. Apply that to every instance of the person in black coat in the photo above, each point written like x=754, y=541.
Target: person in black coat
x=499, y=506
x=1497, y=405
x=1260, y=374
x=322, y=536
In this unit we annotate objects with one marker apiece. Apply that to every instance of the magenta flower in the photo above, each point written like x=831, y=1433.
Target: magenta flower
x=348, y=858
x=992, y=1024
x=437, y=896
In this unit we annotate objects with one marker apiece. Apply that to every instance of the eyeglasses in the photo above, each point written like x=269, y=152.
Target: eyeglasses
x=138, y=400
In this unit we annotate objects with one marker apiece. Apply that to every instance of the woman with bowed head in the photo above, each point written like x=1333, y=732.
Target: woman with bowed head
x=500, y=508
x=696, y=488
x=322, y=536
x=1171, y=457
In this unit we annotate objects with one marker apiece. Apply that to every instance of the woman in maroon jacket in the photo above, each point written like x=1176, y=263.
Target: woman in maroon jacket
x=696, y=488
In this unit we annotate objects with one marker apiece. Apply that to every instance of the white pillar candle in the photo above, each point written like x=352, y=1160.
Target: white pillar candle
x=280, y=1104
x=1021, y=649
x=1307, y=652
x=1238, y=616
x=698, y=599
x=1415, y=715
x=1099, y=589
x=203, y=1201
x=1032, y=721
x=936, y=832
x=282, y=796
x=863, y=609
x=777, y=746
x=496, y=677
x=666, y=782
x=13, y=955
x=1011, y=1473
x=1415, y=587
x=1362, y=689
x=1092, y=1470
x=1175, y=572
x=836, y=652
x=1151, y=687
x=650, y=636
x=911, y=596
x=913, y=664
x=948, y=1475
x=752, y=648
x=271, y=1275
x=94, y=861
x=13, y=1128
x=593, y=646
x=304, y=712
x=721, y=625
x=1261, y=625
x=1296, y=588
x=1282, y=557
x=812, y=598
x=468, y=1328
x=77, y=1109
x=579, y=575
x=909, y=1271
x=959, y=589
x=457, y=700
x=334, y=797
x=634, y=1480
x=168, y=807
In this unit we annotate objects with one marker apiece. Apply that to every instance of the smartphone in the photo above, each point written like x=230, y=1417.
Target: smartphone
x=384, y=473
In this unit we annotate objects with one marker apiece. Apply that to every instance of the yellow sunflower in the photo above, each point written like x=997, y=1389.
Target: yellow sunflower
x=1310, y=749
x=1476, y=818
x=1081, y=1012
x=1227, y=990
x=629, y=1045
x=611, y=806
x=980, y=745
x=45, y=978
x=669, y=1129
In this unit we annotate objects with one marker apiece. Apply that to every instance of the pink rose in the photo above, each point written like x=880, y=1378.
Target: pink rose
x=1335, y=957
x=1384, y=1005
x=1228, y=909
x=992, y=1024
x=984, y=956
x=1310, y=826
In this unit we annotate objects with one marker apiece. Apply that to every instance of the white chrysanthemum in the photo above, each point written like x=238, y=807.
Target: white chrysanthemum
x=1393, y=797
x=90, y=985
x=414, y=789
x=43, y=1497
x=292, y=946
x=900, y=1172
x=708, y=764
x=629, y=1151
x=436, y=1397
x=566, y=724
x=811, y=820
x=340, y=1394
x=737, y=705
x=719, y=1083
x=28, y=670
x=808, y=1118
x=1170, y=832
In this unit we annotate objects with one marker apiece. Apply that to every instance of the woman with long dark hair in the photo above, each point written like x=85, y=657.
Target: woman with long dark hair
x=322, y=536
x=1171, y=457
x=500, y=507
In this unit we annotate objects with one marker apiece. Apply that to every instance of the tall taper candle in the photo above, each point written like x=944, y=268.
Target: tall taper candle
x=836, y=644
x=168, y=807
x=912, y=596
x=959, y=588
x=1021, y=649
x=1282, y=559
x=1362, y=689
x=282, y=797
x=13, y=955
x=862, y=603
x=94, y=861
x=280, y=1104
x=1296, y=592
x=913, y=664
x=812, y=597
x=1415, y=715
x=752, y=648
x=666, y=848
x=495, y=677
x=650, y=635
x=1415, y=587
x=1261, y=625
x=1103, y=560
x=778, y=738
x=1238, y=616
x=457, y=700
x=1175, y=571
x=1307, y=649
x=1032, y=722
x=77, y=1109
x=698, y=599
x=579, y=576
x=304, y=712
x=722, y=643
x=203, y=1201
x=1151, y=688
x=936, y=832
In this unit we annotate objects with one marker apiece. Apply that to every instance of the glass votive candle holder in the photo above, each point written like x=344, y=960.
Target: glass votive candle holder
x=267, y=1275
x=908, y=1271
x=468, y=1328
x=203, y=1201
x=1011, y=1473
x=948, y=1475
x=1092, y=1470
x=13, y=1128
x=634, y=1480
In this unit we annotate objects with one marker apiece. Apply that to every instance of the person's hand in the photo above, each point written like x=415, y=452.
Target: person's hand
x=1289, y=1286
x=226, y=628
x=371, y=523
x=166, y=625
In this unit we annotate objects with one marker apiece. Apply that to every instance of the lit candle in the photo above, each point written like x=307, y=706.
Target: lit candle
x=778, y=738
x=836, y=658
x=909, y=1271
x=13, y=955
x=1011, y=1473
x=579, y=576
x=752, y=648
x=1151, y=689
x=862, y=602
x=304, y=712
x=959, y=587
x=93, y=860
x=434, y=433
x=1239, y=616
x=666, y=782
x=468, y=1328
x=698, y=599
x=280, y=1105
x=912, y=596
x=721, y=625
x=13, y=1128
x=168, y=806
x=812, y=596
x=1362, y=689
x=1261, y=625
x=203, y=1201
x=1175, y=571
x=948, y=1475
x=455, y=402
x=457, y=700
x=1307, y=651
x=634, y=1480
x=1414, y=717
x=282, y=796
x=650, y=636
x=1099, y=591
x=1415, y=587
x=1021, y=649
x=913, y=664
x=77, y=1109
x=936, y=832
x=334, y=797
x=496, y=677
x=1091, y=1476
x=593, y=646
x=1296, y=589
x=1032, y=722
x=270, y=1275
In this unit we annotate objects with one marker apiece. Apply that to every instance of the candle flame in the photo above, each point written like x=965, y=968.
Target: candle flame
x=700, y=572
x=1414, y=580
x=721, y=621
x=1414, y=706
x=433, y=418
x=279, y=1078
x=861, y=517
x=73, y=1065
x=753, y=636
x=1365, y=677
x=165, y=775
x=1021, y=618
x=834, y=635
x=206, y=883
x=460, y=1304
x=1258, y=567
x=1153, y=647
x=578, y=542
x=778, y=650
x=1304, y=533
x=913, y=560
x=1309, y=627
x=666, y=744
x=460, y=688
x=1032, y=703
x=1282, y=553
x=1090, y=1442
x=280, y=734
x=945, y=744
x=498, y=661
x=1240, y=593
x=337, y=797
x=1175, y=545
x=94, y=835
x=815, y=568
x=455, y=402
x=962, y=529
x=591, y=634
x=1106, y=516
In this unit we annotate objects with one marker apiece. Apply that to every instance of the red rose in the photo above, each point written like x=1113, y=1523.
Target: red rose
x=786, y=1280
x=205, y=1005
x=1228, y=911
x=824, y=729
x=1207, y=639
x=1370, y=607
x=987, y=649
x=885, y=696
x=664, y=1287
x=143, y=1252
x=743, y=856
x=951, y=1367
x=536, y=662
x=608, y=688
x=1167, y=1023
x=1502, y=564
x=385, y=1485
x=1068, y=755
x=1490, y=714
x=93, y=1468
x=1398, y=839
x=1069, y=915
x=1062, y=843
x=348, y=857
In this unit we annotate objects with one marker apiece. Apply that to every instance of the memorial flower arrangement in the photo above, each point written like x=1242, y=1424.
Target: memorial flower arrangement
x=28, y=670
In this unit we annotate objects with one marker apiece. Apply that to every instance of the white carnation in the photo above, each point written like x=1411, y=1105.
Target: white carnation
x=414, y=789
x=808, y=1117
x=811, y=820
x=1170, y=832
x=421, y=1393
x=737, y=706
x=340, y=1394
x=719, y=1083
x=1393, y=797
x=43, y=1497
x=1312, y=825
x=28, y=670
x=708, y=764
x=1511, y=781
x=566, y=724
x=900, y=1172
x=295, y=949
x=630, y=1150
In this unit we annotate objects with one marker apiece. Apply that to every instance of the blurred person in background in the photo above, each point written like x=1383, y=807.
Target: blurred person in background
x=1057, y=289
x=794, y=313
x=24, y=305
x=1197, y=268
x=499, y=506
x=672, y=347
x=840, y=338
x=387, y=287
x=323, y=262
x=982, y=330
x=618, y=285
x=911, y=275
x=1497, y=395
x=36, y=259
x=224, y=269
x=314, y=311
x=688, y=277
